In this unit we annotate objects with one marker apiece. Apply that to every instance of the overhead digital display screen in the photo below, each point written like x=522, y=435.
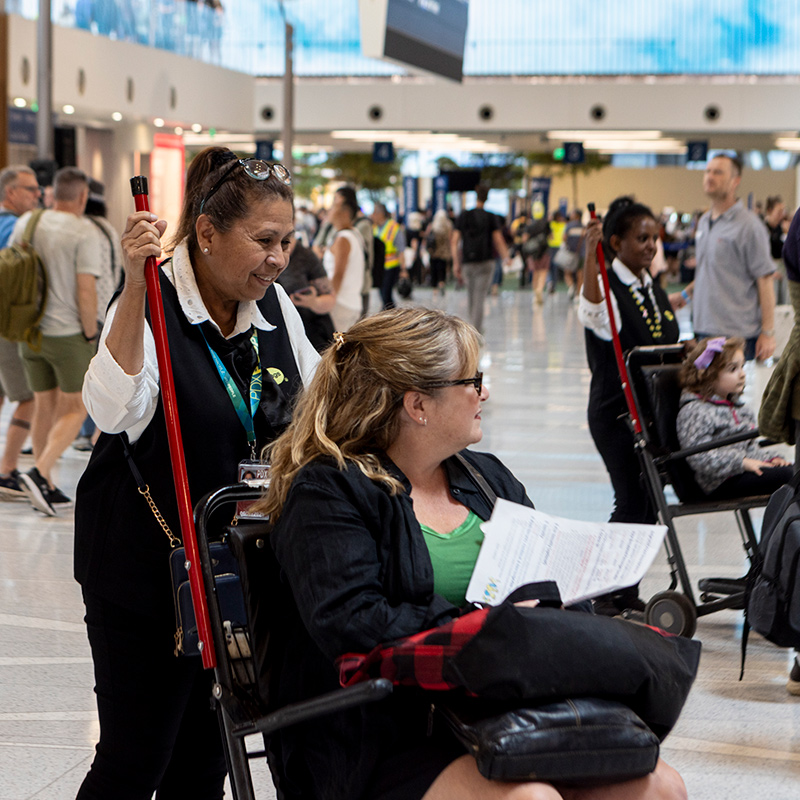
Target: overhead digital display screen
x=429, y=34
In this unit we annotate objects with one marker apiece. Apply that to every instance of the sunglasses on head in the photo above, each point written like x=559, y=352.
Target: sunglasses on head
x=254, y=168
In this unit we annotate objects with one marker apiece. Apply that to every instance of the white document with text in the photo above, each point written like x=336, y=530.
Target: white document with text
x=585, y=559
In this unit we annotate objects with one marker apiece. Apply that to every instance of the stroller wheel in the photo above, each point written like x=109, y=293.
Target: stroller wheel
x=672, y=612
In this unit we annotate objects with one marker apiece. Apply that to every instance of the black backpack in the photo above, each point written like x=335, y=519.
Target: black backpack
x=773, y=603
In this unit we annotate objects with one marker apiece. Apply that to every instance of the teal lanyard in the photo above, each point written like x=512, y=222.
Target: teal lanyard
x=245, y=415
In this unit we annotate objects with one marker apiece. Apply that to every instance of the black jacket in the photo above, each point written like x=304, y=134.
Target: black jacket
x=355, y=572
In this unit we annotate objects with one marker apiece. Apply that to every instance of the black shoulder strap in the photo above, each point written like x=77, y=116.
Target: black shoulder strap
x=488, y=493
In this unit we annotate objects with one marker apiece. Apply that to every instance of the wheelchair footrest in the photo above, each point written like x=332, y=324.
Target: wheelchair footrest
x=722, y=585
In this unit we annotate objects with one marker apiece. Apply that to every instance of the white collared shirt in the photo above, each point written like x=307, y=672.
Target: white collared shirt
x=120, y=402
x=594, y=316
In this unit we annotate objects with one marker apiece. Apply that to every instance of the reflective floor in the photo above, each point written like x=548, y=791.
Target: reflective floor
x=735, y=741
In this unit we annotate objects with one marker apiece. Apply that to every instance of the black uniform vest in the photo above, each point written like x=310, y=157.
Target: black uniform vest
x=606, y=397
x=120, y=550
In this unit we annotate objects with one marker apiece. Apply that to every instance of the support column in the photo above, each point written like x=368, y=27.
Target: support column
x=3, y=87
x=44, y=83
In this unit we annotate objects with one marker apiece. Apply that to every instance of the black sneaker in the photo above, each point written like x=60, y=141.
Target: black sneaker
x=36, y=487
x=57, y=498
x=9, y=485
x=793, y=684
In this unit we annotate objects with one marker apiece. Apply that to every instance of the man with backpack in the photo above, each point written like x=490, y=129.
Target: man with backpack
x=68, y=246
x=20, y=192
x=479, y=234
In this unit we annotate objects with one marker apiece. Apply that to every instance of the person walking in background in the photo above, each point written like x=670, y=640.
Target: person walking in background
x=477, y=234
x=344, y=263
x=69, y=246
x=20, y=193
x=308, y=286
x=777, y=225
x=557, y=225
x=437, y=242
x=107, y=283
x=394, y=240
x=363, y=224
x=733, y=291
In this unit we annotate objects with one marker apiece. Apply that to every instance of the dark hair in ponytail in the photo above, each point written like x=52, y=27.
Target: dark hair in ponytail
x=233, y=200
x=620, y=218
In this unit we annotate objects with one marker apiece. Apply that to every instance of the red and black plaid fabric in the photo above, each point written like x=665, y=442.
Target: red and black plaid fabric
x=416, y=660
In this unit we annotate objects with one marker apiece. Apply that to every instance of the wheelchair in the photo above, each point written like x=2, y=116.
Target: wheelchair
x=240, y=707
x=654, y=376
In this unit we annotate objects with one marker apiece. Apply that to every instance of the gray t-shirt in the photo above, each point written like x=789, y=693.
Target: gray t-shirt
x=67, y=245
x=732, y=253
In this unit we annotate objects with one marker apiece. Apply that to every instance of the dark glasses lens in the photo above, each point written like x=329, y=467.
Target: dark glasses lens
x=254, y=168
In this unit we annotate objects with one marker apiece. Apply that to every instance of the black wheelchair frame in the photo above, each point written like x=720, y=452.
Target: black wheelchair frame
x=654, y=381
x=240, y=710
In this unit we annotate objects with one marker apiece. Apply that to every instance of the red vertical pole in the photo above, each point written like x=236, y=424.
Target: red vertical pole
x=159, y=328
x=621, y=367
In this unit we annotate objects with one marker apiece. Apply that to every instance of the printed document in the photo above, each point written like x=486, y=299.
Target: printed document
x=585, y=559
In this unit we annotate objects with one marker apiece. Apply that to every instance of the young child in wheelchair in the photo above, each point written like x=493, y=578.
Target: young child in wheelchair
x=713, y=379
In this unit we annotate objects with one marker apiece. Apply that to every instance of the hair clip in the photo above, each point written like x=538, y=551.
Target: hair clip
x=713, y=346
x=338, y=339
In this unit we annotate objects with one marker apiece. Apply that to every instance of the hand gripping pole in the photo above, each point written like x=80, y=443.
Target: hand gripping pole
x=159, y=327
x=621, y=366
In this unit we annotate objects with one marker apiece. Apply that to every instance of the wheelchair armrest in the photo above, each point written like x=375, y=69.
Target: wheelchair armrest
x=338, y=700
x=744, y=436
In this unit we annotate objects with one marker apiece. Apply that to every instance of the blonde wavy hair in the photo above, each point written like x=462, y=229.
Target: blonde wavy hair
x=350, y=410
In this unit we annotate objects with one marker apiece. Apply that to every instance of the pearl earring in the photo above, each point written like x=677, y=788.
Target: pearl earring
x=423, y=420
x=206, y=250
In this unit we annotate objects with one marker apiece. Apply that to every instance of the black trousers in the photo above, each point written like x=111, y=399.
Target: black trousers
x=158, y=732
x=614, y=442
x=748, y=483
x=390, y=277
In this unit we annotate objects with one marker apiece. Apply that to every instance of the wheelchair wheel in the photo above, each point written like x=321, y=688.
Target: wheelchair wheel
x=672, y=612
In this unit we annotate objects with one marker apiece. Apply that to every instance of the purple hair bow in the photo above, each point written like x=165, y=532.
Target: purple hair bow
x=713, y=346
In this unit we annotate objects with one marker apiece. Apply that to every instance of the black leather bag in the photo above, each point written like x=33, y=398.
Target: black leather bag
x=571, y=742
x=229, y=594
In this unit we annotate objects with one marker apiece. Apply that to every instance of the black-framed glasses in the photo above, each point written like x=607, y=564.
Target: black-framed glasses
x=254, y=168
x=477, y=382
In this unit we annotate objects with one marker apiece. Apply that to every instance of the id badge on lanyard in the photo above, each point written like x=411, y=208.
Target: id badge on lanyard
x=246, y=412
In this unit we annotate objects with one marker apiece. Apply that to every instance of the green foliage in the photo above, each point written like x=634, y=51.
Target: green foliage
x=362, y=172
x=505, y=173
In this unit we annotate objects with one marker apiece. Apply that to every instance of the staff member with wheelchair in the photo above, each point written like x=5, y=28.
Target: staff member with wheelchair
x=377, y=529
x=232, y=335
x=644, y=316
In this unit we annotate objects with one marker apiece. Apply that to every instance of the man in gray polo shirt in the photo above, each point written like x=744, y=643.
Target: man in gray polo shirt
x=733, y=291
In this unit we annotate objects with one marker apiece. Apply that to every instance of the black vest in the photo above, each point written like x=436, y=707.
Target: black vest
x=606, y=397
x=120, y=551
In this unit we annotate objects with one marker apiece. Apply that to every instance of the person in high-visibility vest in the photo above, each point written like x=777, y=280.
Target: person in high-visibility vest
x=393, y=236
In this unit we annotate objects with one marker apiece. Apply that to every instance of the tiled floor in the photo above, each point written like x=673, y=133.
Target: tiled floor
x=735, y=740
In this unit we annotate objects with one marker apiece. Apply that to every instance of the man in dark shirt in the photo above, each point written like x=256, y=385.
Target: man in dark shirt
x=306, y=282
x=476, y=237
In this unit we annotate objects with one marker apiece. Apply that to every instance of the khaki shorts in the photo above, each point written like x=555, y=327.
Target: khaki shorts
x=13, y=382
x=61, y=363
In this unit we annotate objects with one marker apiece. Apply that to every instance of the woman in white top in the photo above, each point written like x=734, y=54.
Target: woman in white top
x=345, y=263
x=239, y=357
